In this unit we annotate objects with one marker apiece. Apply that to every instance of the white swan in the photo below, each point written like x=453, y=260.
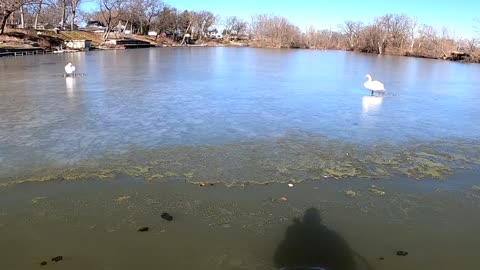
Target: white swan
x=374, y=86
x=70, y=69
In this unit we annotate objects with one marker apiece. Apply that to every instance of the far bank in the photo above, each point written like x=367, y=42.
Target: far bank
x=16, y=42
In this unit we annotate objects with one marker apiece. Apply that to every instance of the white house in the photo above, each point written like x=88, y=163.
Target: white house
x=95, y=26
x=78, y=44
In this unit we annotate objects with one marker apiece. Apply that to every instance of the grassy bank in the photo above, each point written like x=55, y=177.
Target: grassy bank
x=26, y=39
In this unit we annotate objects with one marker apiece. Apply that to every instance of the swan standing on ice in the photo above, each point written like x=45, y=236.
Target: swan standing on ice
x=374, y=86
x=70, y=69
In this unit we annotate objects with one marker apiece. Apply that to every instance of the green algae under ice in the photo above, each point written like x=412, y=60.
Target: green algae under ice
x=291, y=158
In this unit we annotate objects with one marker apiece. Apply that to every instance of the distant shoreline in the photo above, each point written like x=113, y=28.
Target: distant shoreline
x=19, y=51
x=16, y=49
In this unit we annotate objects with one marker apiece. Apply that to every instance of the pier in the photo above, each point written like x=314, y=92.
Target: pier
x=22, y=51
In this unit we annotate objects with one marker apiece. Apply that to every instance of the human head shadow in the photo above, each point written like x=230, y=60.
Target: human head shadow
x=309, y=244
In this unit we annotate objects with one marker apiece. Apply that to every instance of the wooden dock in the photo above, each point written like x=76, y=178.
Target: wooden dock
x=128, y=43
x=22, y=52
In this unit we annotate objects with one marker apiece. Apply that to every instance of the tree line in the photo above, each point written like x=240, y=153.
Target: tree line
x=32, y=12
x=401, y=34
x=387, y=34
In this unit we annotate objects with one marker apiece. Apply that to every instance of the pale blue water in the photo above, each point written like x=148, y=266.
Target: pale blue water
x=156, y=97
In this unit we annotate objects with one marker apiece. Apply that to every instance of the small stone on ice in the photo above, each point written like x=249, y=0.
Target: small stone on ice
x=144, y=229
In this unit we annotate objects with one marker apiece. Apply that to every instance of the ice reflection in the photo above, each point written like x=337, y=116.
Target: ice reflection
x=371, y=103
x=70, y=82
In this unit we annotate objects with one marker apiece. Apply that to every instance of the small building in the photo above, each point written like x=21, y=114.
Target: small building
x=78, y=44
x=214, y=34
x=169, y=34
x=96, y=24
x=67, y=27
x=95, y=27
x=96, y=30
x=45, y=26
x=127, y=43
x=120, y=28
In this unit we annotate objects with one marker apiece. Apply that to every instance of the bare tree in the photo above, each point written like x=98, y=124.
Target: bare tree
x=7, y=7
x=144, y=12
x=235, y=26
x=324, y=39
x=400, y=34
x=37, y=13
x=427, y=38
x=111, y=11
x=63, y=4
x=201, y=22
x=74, y=7
x=390, y=31
x=49, y=12
x=184, y=25
x=312, y=38
x=394, y=31
x=446, y=43
x=166, y=22
x=413, y=25
x=468, y=45
x=22, y=17
x=372, y=39
x=352, y=30
x=275, y=31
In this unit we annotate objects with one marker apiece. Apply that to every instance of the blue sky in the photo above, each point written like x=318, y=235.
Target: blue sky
x=457, y=15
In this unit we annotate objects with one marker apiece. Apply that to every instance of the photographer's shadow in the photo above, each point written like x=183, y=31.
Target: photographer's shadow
x=309, y=244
